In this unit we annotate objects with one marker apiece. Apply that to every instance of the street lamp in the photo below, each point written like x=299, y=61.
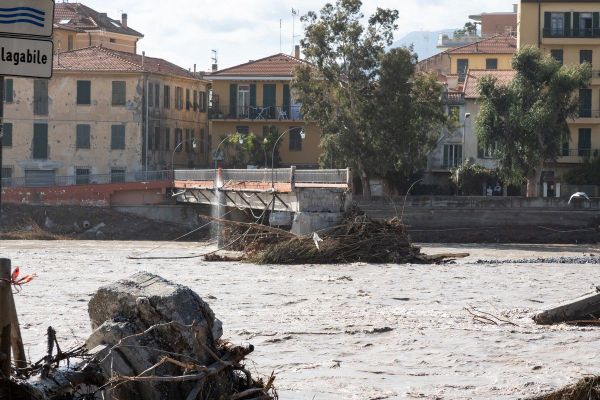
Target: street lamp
x=216, y=152
x=302, y=136
x=175, y=150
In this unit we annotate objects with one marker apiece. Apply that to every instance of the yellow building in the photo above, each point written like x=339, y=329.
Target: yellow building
x=104, y=112
x=256, y=97
x=494, y=53
x=569, y=31
x=77, y=26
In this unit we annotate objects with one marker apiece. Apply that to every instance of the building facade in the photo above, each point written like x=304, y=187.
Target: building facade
x=257, y=98
x=569, y=31
x=104, y=112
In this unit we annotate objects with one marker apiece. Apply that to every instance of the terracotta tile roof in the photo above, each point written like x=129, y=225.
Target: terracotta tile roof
x=503, y=77
x=278, y=65
x=500, y=44
x=103, y=59
x=79, y=16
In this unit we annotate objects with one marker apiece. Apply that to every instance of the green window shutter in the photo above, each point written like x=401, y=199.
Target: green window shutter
x=233, y=99
x=40, y=141
x=252, y=95
x=576, y=23
x=8, y=91
x=596, y=23
x=547, y=20
x=118, y=93
x=287, y=99
x=40, y=97
x=82, y=140
x=7, y=130
x=117, y=139
x=568, y=26
x=269, y=95
x=84, y=92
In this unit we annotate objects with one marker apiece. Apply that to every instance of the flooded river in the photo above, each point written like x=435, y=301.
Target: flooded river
x=350, y=331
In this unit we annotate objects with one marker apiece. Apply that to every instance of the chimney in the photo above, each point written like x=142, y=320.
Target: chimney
x=124, y=20
x=194, y=69
x=105, y=15
x=215, y=68
x=297, y=51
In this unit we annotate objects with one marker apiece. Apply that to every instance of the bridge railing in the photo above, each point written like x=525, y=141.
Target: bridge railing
x=195, y=175
x=89, y=179
x=323, y=176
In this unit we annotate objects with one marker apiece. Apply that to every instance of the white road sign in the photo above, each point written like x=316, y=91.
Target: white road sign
x=27, y=17
x=26, y=57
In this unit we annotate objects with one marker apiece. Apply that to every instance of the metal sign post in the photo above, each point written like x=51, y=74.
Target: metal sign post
x=26, y=48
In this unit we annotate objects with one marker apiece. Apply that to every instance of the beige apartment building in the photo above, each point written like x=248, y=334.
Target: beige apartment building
x=104, y=112
x=77, y=26
x=569, y=31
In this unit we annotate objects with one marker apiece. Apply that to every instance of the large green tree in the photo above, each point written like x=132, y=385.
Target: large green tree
x=527, y=120
x=375, y=115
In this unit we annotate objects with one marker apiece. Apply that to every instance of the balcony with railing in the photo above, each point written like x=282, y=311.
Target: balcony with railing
x=453, y=98
x=256, y=113
x=583, y=33
x=586, y=115
x=578, y=155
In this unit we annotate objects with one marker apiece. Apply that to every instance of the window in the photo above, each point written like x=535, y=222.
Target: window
x=150, y=95
x=40, y=141
x=462, y=66
x=585, y=142
x=193, y=141
x=454, y=113
x=195, y=100
x=157, y=138
x=40, y=97
x=491, y=63
x=583, y=26
x=82, y=176
x=117, y=175
x=179, y=98
x=295, y=139
x=156, y=95
x=167, y=97
x=452, y=155
x=82, y=141
x=167, y=139
x=84, y=93
x=585, y=103
x=202, y=140
x=188, y=103
x=585, y=56
x=203, y=101
x=242, y=129
x=70, y=43
x=178, y=139
x=557, y=54
x=8, y=91
x=7, y=136
x=187, y=141
x=117, y=137
x=243, y=101
x=7, y=173
x=487, y=151
x=118, y=93
x=557, y=24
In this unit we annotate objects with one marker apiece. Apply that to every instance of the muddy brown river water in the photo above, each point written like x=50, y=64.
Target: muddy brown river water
x=348, y=331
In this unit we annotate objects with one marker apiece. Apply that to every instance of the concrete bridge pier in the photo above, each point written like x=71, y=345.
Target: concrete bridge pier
x=319, y=208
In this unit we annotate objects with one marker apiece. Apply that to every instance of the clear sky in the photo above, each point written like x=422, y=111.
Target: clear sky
x=185, y=31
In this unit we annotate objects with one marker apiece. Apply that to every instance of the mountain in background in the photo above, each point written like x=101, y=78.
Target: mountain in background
x=424, y=42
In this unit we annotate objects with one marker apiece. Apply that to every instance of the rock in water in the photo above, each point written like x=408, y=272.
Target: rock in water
x=134, y=305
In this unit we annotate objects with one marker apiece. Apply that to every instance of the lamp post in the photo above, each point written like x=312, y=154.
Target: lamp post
x=175, y=150
x=216, y=152
x=302, y=136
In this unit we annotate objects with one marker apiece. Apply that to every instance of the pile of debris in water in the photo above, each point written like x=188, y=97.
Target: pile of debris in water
x=152, y=340
x=357, y=238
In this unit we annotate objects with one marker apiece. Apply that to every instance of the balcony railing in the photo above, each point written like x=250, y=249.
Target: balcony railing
x=257, y=113
x=453, y=98
x=588, y=153
x=588, y=113
x=572, y=33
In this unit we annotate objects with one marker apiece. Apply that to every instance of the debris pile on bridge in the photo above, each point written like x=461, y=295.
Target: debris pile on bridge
x=152, y=339
x=357, y=238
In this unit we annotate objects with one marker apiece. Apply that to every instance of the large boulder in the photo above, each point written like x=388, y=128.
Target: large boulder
x=139, y=320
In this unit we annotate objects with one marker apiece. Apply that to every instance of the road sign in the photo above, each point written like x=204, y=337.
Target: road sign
x=26, y=57
x=27, y=17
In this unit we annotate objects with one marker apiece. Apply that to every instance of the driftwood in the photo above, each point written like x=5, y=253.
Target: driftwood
x=584, y=308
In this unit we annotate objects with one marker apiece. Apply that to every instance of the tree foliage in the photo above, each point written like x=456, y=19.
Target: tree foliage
x=254, y=150
x=526, y=120
x=586, y=174
x=375, y=117
x=469, y=29
x=470, y=178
